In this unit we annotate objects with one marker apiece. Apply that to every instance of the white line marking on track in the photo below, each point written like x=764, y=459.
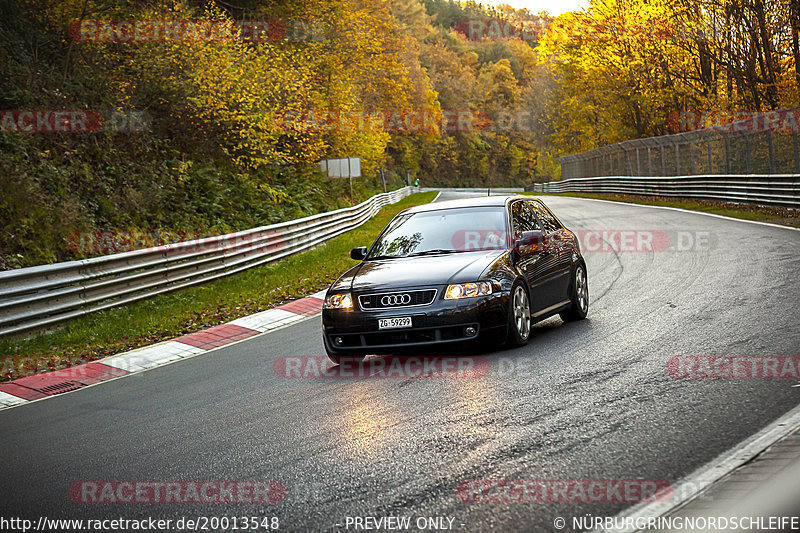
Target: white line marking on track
x=699, y=480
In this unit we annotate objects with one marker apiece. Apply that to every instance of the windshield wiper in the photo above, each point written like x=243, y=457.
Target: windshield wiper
x=432, y=252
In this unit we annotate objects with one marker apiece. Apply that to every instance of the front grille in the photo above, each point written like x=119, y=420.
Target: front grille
x=398, y=299
x=399, y=338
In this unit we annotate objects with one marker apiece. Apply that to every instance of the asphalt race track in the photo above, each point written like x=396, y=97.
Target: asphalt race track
x=587, y=400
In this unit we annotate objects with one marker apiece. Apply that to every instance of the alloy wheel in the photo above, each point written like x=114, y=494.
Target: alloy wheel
x=522, y=312
x=582, y=289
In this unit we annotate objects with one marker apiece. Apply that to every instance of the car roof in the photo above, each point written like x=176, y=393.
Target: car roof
x=479, y=201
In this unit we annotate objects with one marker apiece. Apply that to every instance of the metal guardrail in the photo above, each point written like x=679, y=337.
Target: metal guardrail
x=770, y=189
x=477, y=190
x=42, y=296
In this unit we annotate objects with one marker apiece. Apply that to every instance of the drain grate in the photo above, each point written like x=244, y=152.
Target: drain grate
x=58, y=388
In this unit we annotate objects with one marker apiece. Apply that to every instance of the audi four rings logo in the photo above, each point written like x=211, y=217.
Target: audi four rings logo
x=396, y=299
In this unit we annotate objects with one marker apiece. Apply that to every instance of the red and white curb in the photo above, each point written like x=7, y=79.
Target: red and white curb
x=39, y=386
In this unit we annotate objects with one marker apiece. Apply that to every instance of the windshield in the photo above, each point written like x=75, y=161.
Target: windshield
x=443, y=231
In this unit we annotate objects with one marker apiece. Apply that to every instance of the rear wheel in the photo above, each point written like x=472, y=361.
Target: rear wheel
x=579, y=305
x=519, y=316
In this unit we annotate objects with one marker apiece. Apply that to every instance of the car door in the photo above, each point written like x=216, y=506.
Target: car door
x=536, y=263
x=558, y=242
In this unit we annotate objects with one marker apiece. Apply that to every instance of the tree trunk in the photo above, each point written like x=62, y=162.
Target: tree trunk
x=772, y=72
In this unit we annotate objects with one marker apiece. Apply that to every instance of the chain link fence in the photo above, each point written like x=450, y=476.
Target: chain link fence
x=762, y=143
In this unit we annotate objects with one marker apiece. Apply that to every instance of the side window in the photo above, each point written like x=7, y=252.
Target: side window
x=523, y=218
x=549, y=222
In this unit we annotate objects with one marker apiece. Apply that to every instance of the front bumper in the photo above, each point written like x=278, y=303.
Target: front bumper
x=441, y=322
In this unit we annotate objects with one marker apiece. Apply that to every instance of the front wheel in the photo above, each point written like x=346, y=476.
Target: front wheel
x=579, y=304
x=519, y=316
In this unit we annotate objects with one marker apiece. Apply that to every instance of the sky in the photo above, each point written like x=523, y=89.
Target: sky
x=554, y=7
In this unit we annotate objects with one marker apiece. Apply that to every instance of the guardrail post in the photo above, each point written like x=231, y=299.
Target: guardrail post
x=677, y=159
x=710, y=162
x=727, y=154
x=622, y=162
x=663, y=162
x=628, y=164
x=794, y=144
x=771, y=158
x=629, y=159
x=747, y=152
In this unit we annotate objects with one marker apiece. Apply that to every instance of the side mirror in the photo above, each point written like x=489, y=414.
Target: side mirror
x=359, y=254
x=530, y=242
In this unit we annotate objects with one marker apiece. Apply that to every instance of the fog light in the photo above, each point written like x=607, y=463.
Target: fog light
x=470, y=331
x=339, y=341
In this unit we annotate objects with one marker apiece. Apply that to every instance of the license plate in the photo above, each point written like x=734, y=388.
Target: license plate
x=391, y=323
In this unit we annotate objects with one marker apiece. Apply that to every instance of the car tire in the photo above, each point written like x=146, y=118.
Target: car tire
x=579, y=296
x=519, y=315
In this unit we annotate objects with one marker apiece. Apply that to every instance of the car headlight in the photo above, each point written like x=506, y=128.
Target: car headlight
x=338, y=301
x=467, y=290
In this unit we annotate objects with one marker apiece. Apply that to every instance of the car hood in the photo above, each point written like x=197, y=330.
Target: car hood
x=416, y=271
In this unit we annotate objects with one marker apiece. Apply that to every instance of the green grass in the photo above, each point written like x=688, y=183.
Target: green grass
x=170, y=315
x=778, y=215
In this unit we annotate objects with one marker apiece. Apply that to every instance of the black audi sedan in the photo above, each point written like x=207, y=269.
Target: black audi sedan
x=460, y=271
